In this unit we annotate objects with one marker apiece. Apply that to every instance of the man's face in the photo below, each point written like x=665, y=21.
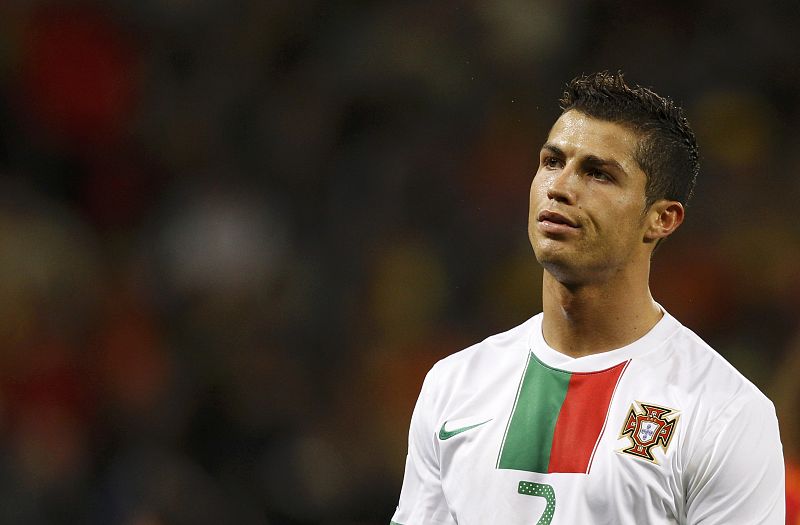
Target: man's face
x=587, y=201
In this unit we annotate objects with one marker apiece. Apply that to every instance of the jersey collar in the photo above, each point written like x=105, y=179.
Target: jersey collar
x=649, y=342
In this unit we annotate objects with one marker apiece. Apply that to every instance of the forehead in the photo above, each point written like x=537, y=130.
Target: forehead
x=577, y=134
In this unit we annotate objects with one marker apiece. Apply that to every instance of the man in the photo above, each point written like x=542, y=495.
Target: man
x=603, y=408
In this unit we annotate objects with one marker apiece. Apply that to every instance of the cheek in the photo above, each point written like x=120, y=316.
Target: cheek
x=534, y=200
x=629, y=219
x=538, y=189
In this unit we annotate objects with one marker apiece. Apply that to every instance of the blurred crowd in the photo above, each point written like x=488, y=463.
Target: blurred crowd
x=235, y=235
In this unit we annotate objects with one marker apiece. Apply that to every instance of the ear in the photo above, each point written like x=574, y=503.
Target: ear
x=663, y=218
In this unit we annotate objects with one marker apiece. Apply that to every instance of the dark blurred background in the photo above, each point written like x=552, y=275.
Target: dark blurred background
x=235, y=235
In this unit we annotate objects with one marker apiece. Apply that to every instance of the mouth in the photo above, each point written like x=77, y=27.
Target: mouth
x=547, y=217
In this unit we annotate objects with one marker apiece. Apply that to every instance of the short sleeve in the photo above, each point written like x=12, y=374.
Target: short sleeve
x=422, y=501
x=736, y=474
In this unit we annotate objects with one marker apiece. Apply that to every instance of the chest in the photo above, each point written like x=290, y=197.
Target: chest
x=579, y=448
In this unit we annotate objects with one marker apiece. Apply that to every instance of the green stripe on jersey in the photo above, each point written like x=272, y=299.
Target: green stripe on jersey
x=529, y=436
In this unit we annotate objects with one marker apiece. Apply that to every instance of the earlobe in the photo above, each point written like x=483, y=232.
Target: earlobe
x=664, y=218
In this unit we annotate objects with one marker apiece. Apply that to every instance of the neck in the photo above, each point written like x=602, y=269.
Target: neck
x=592, y=318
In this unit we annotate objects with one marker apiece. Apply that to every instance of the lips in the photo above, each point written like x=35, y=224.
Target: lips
x=557, y=218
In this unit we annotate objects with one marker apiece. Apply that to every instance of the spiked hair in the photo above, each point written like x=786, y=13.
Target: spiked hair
x=667, y=151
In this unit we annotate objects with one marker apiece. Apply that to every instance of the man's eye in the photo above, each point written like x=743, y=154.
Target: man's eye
x=551, y=162
x=599, y=175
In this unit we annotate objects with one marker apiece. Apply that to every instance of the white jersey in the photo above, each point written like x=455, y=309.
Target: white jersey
x=662, y=431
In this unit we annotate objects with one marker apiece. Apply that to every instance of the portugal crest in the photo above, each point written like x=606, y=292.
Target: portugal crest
x=648, y=427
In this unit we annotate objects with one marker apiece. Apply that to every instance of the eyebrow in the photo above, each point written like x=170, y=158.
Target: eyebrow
x=588, y=160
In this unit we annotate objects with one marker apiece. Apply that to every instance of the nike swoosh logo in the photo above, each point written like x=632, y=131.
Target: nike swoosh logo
x=447, y=434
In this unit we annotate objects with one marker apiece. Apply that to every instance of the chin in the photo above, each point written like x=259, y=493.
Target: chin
x=551, y=251
x=564, y=266
x=562, y=272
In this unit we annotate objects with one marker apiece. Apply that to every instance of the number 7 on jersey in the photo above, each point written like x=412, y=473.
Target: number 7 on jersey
x=529, y=488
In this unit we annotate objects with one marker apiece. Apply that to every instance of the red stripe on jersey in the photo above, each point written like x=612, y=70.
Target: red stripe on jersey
x=581, y=419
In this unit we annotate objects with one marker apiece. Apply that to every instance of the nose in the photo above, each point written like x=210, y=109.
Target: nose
x=561, y=186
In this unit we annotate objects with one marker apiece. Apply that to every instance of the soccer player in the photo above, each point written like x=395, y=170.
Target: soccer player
x=602, y=409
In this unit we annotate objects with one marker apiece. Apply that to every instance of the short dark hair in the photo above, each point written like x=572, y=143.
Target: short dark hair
x=667, y=151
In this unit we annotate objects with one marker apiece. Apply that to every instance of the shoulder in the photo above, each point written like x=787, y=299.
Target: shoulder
x=495, y=347
x=714, y=378
x=490, y=355
x=729, y=434
x=713, y=395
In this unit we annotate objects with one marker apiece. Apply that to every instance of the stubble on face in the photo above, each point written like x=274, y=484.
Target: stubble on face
x=587, y=200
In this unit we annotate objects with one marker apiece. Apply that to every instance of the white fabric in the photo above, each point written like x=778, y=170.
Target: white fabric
x=724, y=464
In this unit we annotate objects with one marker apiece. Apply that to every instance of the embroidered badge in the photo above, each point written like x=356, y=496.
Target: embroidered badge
x=648, y=426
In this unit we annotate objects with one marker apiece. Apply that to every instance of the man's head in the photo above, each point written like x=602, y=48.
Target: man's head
x=614, y=174
x=667, y=150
